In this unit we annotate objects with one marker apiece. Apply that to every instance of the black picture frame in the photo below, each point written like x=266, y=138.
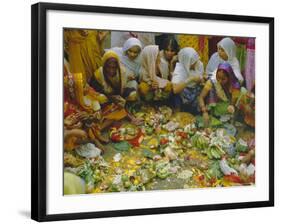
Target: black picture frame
x=39, y=114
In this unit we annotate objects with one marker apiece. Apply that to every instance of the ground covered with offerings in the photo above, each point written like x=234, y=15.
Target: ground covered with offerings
x=169, y=150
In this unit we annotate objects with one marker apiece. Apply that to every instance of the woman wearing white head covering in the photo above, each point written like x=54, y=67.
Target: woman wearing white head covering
x=153, y=84
x=129, y=56
x=226, y=53
x=186, y=78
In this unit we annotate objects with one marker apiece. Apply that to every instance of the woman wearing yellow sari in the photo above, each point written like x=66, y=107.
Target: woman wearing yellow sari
x=110, y=79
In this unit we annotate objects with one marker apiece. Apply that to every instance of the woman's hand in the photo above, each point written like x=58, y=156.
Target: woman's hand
x=134, y=120
x=230, y=109
x=131, y=77
x=154, y=84
x=119, y=100
x=137, y=121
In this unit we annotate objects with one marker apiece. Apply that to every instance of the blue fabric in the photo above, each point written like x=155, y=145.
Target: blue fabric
x=188, y=99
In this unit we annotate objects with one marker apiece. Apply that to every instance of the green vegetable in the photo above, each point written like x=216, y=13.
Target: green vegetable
x=127, y=184
x=219, y=108
x=114, y=188
x=162, y=169
x=214, y=171
x=123, y=146
x=241, y=146
x=149, y=96
x=199, y=141
x=149, y=130
x=125, y=178
x=147, y=153
x=214, y=152
x=214, y=122
x=86, y=172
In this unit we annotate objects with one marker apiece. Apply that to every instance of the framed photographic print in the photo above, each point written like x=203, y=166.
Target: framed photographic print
x=138, y=111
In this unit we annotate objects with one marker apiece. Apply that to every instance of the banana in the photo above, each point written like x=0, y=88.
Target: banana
x=215, y=153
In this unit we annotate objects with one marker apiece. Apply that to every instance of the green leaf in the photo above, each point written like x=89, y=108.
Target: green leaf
x=123, y=146
x=147, y=153
x=219, y=108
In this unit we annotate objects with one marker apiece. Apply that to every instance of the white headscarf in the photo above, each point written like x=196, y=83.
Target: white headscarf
x=131, y=42
x=187, y=57
x=132, y=65
x=148, y=63
x=229, y=47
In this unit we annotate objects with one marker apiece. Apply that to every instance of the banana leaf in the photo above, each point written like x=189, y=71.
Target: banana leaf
x=219, y=109
x=123, y=146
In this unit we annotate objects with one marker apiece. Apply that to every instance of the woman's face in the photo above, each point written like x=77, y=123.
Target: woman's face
x=222, y=77
x=111, y=67
x=192, y=67
x=169, y=53
x=222, y=53
x=133, y=52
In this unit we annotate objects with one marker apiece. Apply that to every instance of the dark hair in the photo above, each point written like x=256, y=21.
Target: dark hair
x=172, y=43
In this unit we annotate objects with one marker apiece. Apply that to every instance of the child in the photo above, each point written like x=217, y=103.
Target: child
x=186, y=79
x=129, y=56
x=226, y=53
x=168, y=57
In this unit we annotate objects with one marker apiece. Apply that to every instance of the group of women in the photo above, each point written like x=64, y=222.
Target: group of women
x=101, y=82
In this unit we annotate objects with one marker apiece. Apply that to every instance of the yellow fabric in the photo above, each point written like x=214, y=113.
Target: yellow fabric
x=84, y=51
x=99, y=76
x=220, y=92
x=144, y=88
x=193, y=41
x=235, y=93
x=79, y=89
x=132, y=97
x=168, y=87
x=110, y=54
x=116, y=115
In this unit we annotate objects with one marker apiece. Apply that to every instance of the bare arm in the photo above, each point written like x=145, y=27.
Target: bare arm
x=201, y=99
x=204, y=93
x=179, y=87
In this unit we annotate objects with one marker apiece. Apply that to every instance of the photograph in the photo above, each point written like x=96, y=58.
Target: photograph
x=139, y=112
x=157, y=111
x=142, y=111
